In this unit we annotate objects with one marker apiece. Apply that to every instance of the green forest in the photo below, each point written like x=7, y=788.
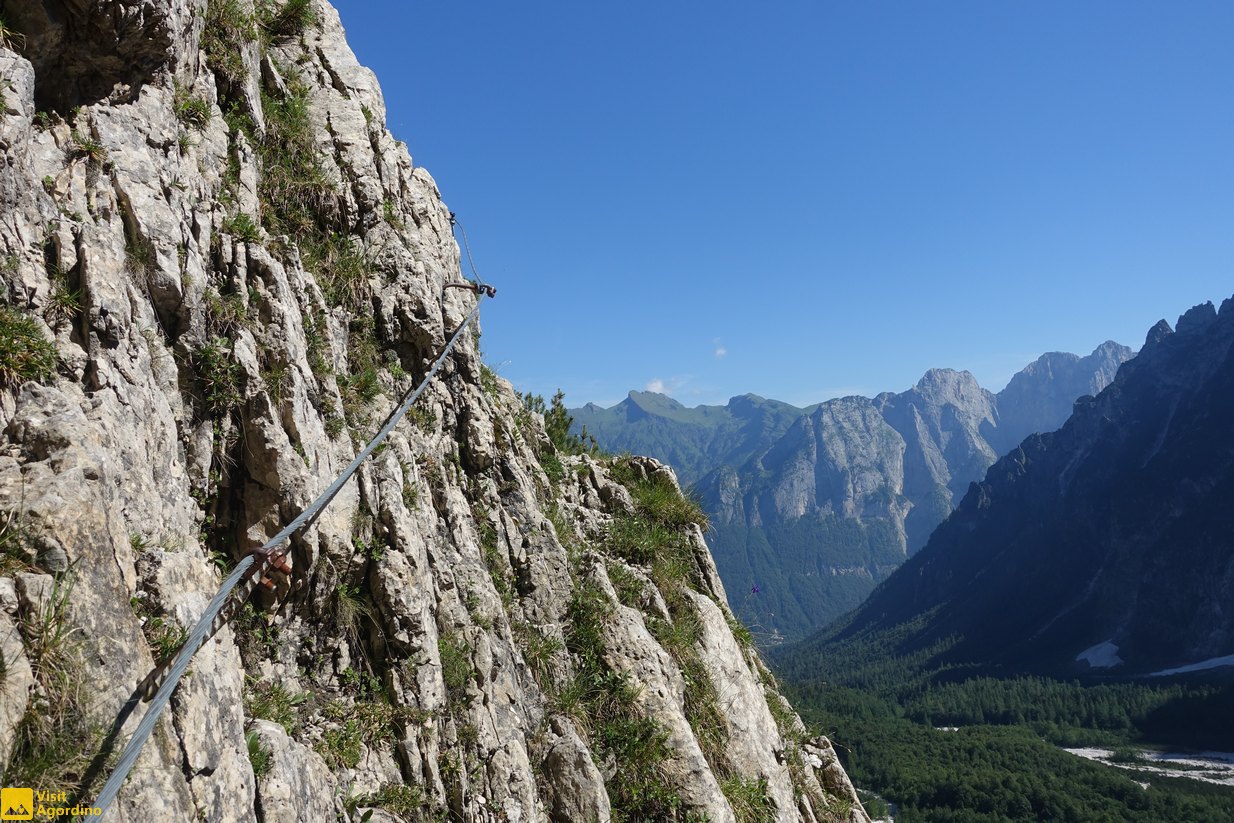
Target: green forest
x=895, y=727
x=793, y=572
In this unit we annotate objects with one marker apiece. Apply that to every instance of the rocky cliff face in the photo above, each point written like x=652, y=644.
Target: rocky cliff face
x=907, y=456
x=1046, y=389
x=1102, y=547
x=220, y=273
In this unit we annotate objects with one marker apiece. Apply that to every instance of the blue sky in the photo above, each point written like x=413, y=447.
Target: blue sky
x=806, y=199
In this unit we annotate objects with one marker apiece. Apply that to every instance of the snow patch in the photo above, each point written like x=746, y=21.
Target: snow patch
x=1102, y=656
x=1211, y=663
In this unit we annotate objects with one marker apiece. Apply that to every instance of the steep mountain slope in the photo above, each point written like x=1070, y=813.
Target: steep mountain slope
x=1105, y=546
x=692, y=440
x=220, y=272
x=810, y=512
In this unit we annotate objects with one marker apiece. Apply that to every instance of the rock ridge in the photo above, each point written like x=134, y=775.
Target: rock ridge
x=812, y=507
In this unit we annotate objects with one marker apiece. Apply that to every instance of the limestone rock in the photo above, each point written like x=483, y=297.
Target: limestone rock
x=296, y=784
x=241, y=274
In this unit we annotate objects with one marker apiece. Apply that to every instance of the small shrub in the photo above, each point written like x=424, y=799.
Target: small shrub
x=289, y=19
x=628, y=585
x=488, y=381
x=423, y=417
x=557, y=423
x=749, y=800
x=220, y=375
x=658, y=499
x=242, y=226
x=741, y=632
x=277, y=378
x=389, y=207
x=229, y=26
x=342, y=746
x=373, y=717
x=55, y=739
x=138, y=253
x=343, y=273
x=402, y=800
x=602, y=702
x=226, y=314
x=256, y=636
x=358, y=390
x=261, y=757
x=270, y=701
x=552, y=467
x=372, y=723
x=539, y=650
x=456, y=668
x=639, y=540
x=296, y=194
x=25, y=354
x=64, y=301
x=494, y=559
x=318, y=347
x=84, y=146
x=15, y=551
x=164, y=636
x=192, y=112
x=10, y=38
x=349, y=608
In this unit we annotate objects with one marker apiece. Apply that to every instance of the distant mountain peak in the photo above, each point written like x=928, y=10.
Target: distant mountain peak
x=1158, y=333
x=947, y=380
x=651, y=400
x=1197, y=318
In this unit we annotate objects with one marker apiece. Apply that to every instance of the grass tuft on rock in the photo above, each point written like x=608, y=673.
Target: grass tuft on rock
x=25, y=354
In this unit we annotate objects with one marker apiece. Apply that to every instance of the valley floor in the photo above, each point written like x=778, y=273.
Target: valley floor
x=1209, y=767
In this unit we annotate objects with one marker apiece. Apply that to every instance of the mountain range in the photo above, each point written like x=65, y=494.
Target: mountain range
x=1104, y=547
x=812, y=507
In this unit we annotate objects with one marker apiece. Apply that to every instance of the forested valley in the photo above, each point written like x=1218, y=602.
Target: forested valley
x=965, y=745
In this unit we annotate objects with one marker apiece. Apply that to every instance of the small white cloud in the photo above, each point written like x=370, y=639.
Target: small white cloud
x=720, y=352
x=667, y=386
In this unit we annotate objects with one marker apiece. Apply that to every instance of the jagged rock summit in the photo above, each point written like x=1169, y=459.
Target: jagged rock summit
x=220, y=272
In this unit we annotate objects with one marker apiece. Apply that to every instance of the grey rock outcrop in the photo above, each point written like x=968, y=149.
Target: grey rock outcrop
x=236, y=273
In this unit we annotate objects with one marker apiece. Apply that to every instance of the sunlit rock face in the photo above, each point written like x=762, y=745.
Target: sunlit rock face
x=220, y=273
